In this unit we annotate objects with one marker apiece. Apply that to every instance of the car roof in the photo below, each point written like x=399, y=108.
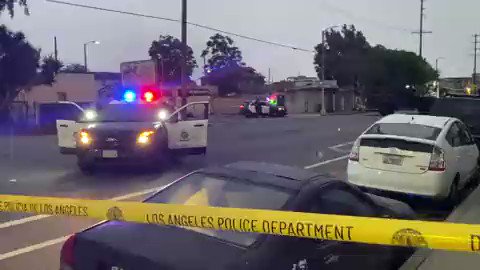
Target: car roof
x=267, y=173
x=425, y=120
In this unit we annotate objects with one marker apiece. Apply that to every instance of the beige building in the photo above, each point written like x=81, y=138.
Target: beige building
x=81, y=88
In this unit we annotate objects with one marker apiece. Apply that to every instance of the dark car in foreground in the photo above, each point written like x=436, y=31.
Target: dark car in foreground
x=121, y=245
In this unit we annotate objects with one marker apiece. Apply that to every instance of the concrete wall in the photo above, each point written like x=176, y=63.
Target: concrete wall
x=309, y=101
x=79, y=87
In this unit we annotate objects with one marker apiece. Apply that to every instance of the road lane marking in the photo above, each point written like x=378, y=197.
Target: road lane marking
x=325, y=162
x=21, y=221
x=337, y=147
x=31, y=248
x=40, y=217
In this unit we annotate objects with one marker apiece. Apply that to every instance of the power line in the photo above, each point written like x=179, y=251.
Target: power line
x=178, y=21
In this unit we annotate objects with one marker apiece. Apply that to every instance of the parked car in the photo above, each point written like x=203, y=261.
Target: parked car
x=121, y=245
x=422, y=155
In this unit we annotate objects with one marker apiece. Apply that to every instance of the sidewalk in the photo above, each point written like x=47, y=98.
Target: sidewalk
x=425, y=259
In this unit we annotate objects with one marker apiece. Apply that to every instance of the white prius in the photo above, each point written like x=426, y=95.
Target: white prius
x=421, y=155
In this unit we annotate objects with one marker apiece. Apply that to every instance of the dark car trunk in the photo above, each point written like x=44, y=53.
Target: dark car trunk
x=143, y=246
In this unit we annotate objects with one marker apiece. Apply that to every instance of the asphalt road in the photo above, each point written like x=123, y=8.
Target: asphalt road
x=32, y=165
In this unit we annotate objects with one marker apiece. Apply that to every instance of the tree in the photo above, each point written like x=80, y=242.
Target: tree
x=48, y=69
x=224, y=67
x=387, y=76
x=167, y=51
x=221, y=53
x=74, y=68
x=396, y=75
x=20, y=68
x=345, y=53
x=10, y=6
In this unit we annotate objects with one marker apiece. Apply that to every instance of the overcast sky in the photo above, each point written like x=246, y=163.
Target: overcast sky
x=299, y=22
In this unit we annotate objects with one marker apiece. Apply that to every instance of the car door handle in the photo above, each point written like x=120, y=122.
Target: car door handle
x=199, y=125
x=63, y=125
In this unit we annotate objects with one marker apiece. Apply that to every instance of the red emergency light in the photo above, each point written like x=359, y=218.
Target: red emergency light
x=150, y=94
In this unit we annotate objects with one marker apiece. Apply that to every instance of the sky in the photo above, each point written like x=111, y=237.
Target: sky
x=298, y=23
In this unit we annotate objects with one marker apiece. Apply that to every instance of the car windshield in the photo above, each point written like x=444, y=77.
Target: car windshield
x=405, y=130
x=206, y=190
x=127, y=113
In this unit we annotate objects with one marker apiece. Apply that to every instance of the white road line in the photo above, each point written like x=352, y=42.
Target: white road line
x=325, y=162
x=31, y=248
x=39, y=217
x=336, y=147
x=21, y=221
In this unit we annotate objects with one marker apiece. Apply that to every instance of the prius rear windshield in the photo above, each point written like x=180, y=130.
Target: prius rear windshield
x=405, y=130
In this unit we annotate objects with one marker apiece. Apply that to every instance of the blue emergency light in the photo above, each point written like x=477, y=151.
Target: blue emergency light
x=129, y=96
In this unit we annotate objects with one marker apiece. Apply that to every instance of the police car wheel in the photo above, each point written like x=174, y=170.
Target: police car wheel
x=86, y=167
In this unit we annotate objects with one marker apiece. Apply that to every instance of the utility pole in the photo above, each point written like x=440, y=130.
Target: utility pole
x=55, y=48
x=322, y=75
x=269, y=73
x=421, y=32
x=183, y=90
x=438, y=81
x=474, y=75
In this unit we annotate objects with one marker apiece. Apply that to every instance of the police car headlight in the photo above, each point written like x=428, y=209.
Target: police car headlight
x=90, y=115
x=144, y=137
x=162, y=115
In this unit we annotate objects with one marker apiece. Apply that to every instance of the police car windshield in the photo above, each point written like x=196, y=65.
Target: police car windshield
x=128, y=113
x=206, y=190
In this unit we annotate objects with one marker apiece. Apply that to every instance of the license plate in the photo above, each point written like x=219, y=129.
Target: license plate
x=109, y=153
x=392, y=160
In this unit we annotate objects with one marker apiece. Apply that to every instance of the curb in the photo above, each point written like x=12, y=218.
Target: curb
x=420, y=256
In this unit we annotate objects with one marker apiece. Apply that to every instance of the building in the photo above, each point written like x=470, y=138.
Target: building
x=305, y=96
x=82, y=88
x=458, y=85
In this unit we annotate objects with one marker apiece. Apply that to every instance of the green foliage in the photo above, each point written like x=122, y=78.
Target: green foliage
x=19, y=62
x=167, y=51
x=9, y=5
x=345, y=53
x=48, y=69
x=382, y=73
x=221, y=53
x=20, y=67
x=224, y=67
x=74, y=68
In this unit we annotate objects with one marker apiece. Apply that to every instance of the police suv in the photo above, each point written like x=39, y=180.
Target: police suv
x=134, y=130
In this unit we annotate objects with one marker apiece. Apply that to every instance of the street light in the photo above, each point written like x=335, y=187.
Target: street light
x=438, y=81
x=322, y=74
x=85, y=51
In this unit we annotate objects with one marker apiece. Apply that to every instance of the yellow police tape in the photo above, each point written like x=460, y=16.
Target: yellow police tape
x=435, y=235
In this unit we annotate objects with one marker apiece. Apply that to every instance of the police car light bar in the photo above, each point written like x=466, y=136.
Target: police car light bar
x=129, y=96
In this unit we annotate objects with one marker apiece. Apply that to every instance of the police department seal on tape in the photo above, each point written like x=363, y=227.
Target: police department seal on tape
x=410, y=238
x=115, y=213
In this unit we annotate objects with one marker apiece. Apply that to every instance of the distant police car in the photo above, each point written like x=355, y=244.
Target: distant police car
x=122, y=245
x=273, y=106
x=132, y=131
